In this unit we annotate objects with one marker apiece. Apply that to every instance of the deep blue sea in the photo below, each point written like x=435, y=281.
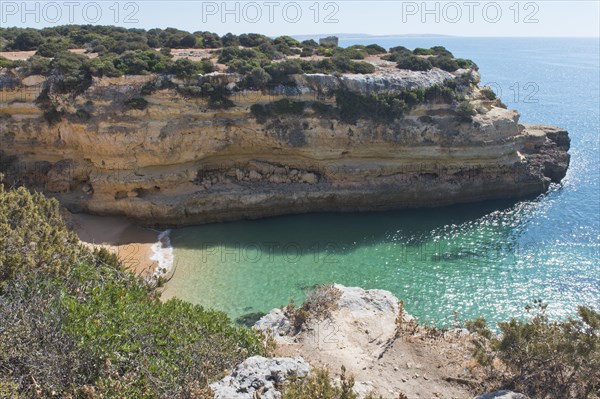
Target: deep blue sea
x=488, y=259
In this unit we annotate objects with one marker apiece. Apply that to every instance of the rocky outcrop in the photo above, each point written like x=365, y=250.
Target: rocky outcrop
x=374, y=339
x=259, y=377
x=140, y=146
x=369, y=334
x=502, y=395
x=355, y=331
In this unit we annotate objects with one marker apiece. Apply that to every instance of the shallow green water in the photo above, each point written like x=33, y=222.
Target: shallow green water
x=487, y=259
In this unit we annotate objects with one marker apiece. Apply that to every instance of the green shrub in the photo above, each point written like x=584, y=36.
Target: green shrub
x=37, y=65
x=253, y=40
x=217, y=96
x=229, y=54
x=264, y=112
x=441, y=51
x=345, y=65
x=400, y=49
x=185, y=68
x=6, y=63
x=383, y=107
x=465, y=110
x=208, y=40
x=31, y=233
x=230, y=40
x=353, y=52
x=413, y=63
x=318, y=385
x=446, y=63
x=287, y=40
x=258, y=78
x=309, y=44
x=546, y=359
x=138, y=103
x=50, y=49
x=307, y=52
x=488, y=93
x=375, y=49
x=423, y=51
x=280, y=71
x=74, y=323
x=71, y=72
x=28, y=39
x=104, y=65
x=462, y=63
x=446, y=92
x=142, y=62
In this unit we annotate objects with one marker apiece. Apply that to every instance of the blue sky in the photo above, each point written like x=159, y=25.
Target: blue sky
x=275, y=17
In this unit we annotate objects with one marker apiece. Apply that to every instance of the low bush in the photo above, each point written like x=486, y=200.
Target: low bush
x=488, y=93
x=382, y=107
x=217, y=96
x=264, y=112
x=254, y=39
x=318, y=385
x=400, y=49
x=75, y=323
x=545, y=359
x=287, y=40
x=37, y=65
x=50, y=49
x=465, y=110
x=6, y=63
x=413, y=63
x=257, y=78
x=446, y=63
x=138, y=103
x=186, y=68
x=70, y=72
x=373, y=49
x=423, y=51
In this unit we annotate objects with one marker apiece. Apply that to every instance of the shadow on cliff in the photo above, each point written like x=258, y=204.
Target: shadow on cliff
x=335, y=232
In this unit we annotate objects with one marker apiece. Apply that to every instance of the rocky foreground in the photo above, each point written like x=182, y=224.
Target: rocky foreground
x=136, y=146
x=372, y=337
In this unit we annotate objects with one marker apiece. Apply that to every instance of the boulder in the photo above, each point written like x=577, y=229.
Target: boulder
x=258, y=376
x=310, y=178
x=254, y=175
x=504, y=394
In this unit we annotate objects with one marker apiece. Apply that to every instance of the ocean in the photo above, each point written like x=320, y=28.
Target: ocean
x=486, y=259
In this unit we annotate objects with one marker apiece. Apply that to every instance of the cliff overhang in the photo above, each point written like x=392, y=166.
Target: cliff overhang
x=168, y=151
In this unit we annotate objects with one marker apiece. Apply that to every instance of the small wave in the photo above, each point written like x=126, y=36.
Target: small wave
x=162, y=253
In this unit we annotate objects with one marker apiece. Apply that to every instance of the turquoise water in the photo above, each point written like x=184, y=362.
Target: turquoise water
x=487, y=259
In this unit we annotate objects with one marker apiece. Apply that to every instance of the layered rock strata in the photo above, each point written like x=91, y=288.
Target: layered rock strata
x=140, y=147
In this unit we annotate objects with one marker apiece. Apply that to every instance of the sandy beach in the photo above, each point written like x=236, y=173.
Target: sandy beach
x=131, y=243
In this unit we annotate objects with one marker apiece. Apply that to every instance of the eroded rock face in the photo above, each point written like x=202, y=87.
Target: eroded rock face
x=258, y=376
x=135, y=146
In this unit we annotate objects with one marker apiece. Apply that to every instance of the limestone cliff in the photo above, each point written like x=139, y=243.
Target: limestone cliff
x=150, y=148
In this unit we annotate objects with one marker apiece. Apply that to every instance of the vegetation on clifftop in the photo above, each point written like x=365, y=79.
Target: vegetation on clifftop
x=262, y=63
x=74, y=323
x=259, y=58
x=350, y=106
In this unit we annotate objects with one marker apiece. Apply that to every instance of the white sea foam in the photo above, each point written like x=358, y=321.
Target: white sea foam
x=162, y=253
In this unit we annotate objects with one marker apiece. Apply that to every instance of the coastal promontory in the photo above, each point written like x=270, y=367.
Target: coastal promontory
x=186, y=148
